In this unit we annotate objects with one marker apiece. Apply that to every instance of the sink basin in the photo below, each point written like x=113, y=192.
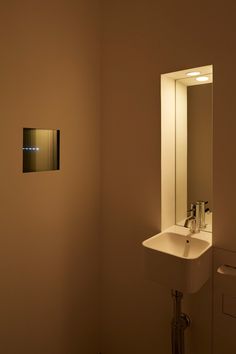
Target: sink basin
x=178, y=259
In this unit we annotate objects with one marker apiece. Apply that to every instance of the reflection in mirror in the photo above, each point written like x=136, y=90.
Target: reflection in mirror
x=200, y=144
x=194, y=117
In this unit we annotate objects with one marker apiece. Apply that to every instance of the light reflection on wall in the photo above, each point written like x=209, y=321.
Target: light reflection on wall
x=41, y=149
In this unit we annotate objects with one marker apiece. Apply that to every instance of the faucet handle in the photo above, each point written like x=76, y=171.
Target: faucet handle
x=192, y=210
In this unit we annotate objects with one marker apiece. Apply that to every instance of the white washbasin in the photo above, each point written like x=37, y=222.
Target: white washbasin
x=178, y=259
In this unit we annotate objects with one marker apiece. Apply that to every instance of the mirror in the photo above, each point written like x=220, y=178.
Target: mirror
x=193, y=145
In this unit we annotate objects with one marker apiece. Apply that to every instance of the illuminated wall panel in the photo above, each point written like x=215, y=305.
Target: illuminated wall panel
x=41, y=150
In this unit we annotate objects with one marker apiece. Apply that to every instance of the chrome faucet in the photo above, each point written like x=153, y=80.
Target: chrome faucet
x=191, y=219
x=197, y=217
x=193, y=224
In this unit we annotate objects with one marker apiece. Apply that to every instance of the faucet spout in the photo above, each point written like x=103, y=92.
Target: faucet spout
x=187, y=221
x=191, y=220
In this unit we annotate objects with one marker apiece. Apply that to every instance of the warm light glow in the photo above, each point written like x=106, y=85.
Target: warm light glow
x=193, y=73
x=31, y=148
x=202, y=78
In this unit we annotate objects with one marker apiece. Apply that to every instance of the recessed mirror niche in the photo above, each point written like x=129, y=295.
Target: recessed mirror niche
x=187, y=121
x=41, y=150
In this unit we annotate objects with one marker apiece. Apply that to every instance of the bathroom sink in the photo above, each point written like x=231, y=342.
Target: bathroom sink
x=178, y=259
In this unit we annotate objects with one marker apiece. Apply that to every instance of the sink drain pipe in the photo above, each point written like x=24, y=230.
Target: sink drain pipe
x=179, y=323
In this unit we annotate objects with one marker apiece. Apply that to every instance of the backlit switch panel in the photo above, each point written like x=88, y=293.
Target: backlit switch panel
x=41, y=149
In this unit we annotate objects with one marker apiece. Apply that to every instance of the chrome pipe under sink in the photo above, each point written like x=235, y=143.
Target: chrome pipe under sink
x=179, y=323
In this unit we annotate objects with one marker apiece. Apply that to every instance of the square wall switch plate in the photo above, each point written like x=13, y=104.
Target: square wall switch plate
x=41, y=150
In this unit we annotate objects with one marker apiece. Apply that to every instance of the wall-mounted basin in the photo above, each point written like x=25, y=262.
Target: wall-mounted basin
x=178, y=259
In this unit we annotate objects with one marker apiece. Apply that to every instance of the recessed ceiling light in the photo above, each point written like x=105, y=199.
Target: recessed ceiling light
x=202, y=78
x=193, y=73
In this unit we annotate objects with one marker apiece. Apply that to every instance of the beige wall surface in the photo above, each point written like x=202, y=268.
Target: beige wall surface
x=168, y=158
x=224, y=304
x=143, y=39
x=50, y=78
x=181, y=152
x=49, y=255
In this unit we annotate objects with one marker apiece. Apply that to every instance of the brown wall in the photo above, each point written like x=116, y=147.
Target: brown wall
x=143, y=39
x=50, y=78
x=200, y=132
